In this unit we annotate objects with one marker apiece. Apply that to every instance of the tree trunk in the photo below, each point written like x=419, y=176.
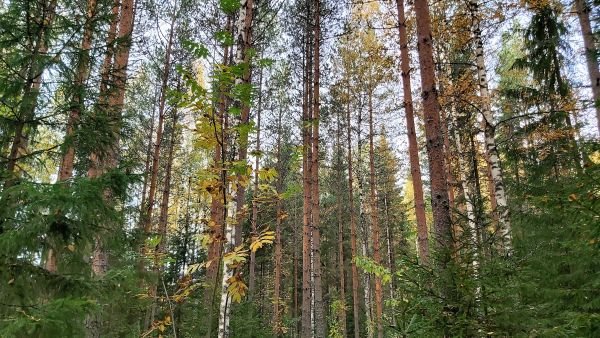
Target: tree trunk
x=435, y=150
x=489, y=133
x=413, y=148
x=31, y=91
x=159, y=131
x=306, y=327
x=589, y=43
x=163, y=219
x=277, y=328
x=320, y=326
x=254, y=223
x=244, y=30
x=365, y=229
x=147, y=164
x=65, y=170
x=215, y=227
x=353, y=247
x=116, y=98
x=225, y=305
x=375, y=220
x=390, y=252
x=341, y=274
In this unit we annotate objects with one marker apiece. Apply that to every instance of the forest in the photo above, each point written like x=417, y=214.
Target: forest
x=299, y=168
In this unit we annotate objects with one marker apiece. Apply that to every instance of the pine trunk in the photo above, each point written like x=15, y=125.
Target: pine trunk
x=320, y=325
x=277, y=327
x=435, y=148
x=413, y=148
x=65, y=170
x=353, y=245
x=306, y=327
x=31, y=91
x=159, y=132
x=589, y=43
x=341, y=265
x=375, y=220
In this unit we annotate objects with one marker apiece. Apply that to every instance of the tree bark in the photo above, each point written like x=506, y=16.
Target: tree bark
x=244, y=30
x=320, y=327
x=341, y=265
x=589, y=43
x=159, y=131
x=504, y=226
x=374, y=213
x=65, y=170
x=413, y=148
x=254, y=223
x=353, y=245
x=215, y=227
x=277, y=328
x=306, y=327
x=31, y=91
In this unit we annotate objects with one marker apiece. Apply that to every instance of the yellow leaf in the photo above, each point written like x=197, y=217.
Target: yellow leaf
x=572, y=197
x=71, y=247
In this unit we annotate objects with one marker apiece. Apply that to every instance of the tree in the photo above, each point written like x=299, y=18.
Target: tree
x=415, y=167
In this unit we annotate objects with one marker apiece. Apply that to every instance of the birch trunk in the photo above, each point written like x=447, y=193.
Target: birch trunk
x=504, y=226
x=225, y=304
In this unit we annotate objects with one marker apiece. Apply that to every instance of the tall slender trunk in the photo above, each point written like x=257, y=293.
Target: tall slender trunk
x=109, y=158
x=374, y=213
x=159, y=130
x=163, y=216
x=435, y=148
x=353, y=245
x=341, y=265
x=279, y=217
x=99, y=164
x=504, y=227
x=244, y=30
x=31, y=90
x=320, y=326
x=225, y=305
x=65, y=170
x=413, y=148
x=215, y=227
x=147, y=163
x=468, y=193
x=589, y=43
x=390, y=251
x=254, y=223
x=306, y=327
x=364, y=228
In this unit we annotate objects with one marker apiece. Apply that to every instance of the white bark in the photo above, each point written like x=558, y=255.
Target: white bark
x=225, y=305
x=469, y=204
x=504, y=226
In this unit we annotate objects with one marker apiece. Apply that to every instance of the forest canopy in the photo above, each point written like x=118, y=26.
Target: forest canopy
x=299, y=168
